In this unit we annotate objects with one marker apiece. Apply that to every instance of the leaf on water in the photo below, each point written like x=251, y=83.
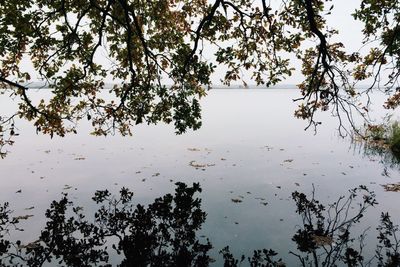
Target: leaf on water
x=32, y=245
x=77, y=209
x=23, y=217
x=267, y=147
x=322, y=240
x=30, y=208
x=236, y=200
x=197, y=166
x=66, y=187
x=288, y=160
x=392, y=187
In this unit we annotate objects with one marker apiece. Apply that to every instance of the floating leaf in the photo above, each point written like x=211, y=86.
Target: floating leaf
x=23, y=217
x=392, y=187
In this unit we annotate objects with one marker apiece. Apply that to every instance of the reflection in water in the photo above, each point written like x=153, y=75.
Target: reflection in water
x=390, y=159
x=165, y=233
x=381, y=140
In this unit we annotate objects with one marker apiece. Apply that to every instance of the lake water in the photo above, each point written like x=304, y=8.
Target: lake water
x=253, y=148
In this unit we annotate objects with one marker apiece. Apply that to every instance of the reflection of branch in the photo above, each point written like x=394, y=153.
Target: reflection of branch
x=330, y=234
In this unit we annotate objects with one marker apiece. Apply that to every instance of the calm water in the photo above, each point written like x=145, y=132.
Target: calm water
x=254, y=149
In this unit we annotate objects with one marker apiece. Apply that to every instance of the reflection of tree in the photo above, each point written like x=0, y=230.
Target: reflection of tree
x=388, y=248
x=164, y=233
x=325, y=235
x=389, y=159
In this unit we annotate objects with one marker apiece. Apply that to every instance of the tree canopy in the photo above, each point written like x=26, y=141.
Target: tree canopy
x=155, y=52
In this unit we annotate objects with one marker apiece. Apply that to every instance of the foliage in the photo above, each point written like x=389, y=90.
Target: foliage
x=394, y=138
x=143, y=46
x=383, y=140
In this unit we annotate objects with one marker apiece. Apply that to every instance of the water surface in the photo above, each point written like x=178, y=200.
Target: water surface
x=251, y=145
